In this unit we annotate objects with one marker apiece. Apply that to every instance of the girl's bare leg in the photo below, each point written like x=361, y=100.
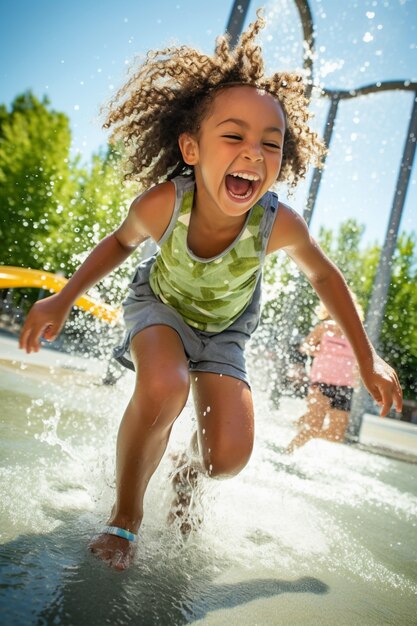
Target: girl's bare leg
x=223, y=442
x=161, y=391
x=318, y=407
x=338, y=423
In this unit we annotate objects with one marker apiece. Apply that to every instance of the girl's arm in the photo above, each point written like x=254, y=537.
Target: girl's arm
x=148, y=216
x=291, y=234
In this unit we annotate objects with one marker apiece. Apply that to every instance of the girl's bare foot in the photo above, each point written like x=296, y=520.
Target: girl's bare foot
x=185, y=504
x=116, y=552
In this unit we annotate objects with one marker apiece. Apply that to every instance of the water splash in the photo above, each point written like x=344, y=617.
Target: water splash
x=332, y=521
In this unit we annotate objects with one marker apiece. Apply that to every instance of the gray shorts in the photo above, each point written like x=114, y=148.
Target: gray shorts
x=220, y=353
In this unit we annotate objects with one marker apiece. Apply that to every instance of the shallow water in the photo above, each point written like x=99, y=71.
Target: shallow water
x=328, y=537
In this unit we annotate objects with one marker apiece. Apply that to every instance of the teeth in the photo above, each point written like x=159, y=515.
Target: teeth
x=245, y=175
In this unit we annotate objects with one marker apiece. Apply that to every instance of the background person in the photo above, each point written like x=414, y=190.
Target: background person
x=333, y=376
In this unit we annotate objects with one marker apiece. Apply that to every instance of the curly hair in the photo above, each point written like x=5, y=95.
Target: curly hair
x=171, y=92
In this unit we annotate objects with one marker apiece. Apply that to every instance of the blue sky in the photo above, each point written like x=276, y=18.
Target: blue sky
x=77, y=52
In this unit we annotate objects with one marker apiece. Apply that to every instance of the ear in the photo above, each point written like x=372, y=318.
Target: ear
x=189, y=148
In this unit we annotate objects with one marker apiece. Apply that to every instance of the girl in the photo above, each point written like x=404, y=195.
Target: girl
x=332, y=380
x=210, y=135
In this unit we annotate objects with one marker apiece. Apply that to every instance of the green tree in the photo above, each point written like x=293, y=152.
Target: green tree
x=35, y=179
x=344, y=249
x=53, y=210
x=98, y=205
x=399, y=330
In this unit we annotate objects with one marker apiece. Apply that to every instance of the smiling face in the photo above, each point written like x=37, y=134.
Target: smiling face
x=237, y=153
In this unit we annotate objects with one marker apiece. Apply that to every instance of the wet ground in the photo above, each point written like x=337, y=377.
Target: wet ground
x=325, y=537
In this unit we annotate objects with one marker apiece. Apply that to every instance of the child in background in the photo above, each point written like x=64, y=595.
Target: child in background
x=333, y=376
x=209, y=136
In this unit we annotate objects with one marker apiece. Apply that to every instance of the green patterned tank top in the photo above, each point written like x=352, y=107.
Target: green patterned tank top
x=210, y=294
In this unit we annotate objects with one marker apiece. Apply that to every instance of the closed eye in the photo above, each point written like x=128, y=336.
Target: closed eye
x=232, y=137
x=272, y=145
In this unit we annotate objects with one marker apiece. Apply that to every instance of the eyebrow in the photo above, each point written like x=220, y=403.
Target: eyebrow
x=242, y=123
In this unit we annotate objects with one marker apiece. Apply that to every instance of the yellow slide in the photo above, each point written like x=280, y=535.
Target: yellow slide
x=21, y=277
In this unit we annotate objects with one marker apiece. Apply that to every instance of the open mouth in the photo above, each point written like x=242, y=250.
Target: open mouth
x=242, y=186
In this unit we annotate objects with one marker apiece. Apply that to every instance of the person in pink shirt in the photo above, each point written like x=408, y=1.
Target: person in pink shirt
x=333, y=376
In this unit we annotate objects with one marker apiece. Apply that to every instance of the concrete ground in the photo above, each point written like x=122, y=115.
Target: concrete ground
x=46, y=360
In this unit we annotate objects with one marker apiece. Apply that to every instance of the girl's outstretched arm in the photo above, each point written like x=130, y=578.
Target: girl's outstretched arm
x=147, y=216
x=47, y=316
x=291, y=234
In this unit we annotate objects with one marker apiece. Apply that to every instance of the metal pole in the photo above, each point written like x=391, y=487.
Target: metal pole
x=376, y=309
x=236, y=20
x=318, y=173
x=306, y=18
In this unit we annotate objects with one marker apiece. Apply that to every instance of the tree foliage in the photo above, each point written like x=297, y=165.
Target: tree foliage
x=399, y=330
x=53, y=210
x=35, y=178
x=97, y=206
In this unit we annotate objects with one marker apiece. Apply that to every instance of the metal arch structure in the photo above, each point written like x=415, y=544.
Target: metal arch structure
x=376, y=308
x=335, y=96
x=237, y=19
x=309, y=41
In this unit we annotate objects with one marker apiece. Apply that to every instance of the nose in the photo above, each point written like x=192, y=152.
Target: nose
x=253, y=152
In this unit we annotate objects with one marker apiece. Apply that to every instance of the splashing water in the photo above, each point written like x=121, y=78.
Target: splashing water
x=327, y=534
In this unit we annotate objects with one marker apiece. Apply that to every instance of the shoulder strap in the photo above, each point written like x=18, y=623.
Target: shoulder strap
x=270, y=203
x=182, y=184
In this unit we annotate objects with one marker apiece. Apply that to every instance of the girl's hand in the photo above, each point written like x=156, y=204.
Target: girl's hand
x=44, y=321
x=382, y=383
